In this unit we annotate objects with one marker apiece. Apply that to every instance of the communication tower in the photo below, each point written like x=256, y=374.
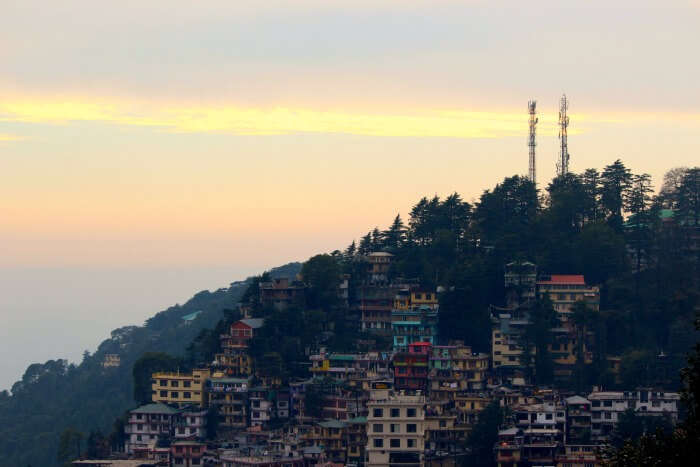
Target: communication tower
x=531, y=141
x=563, y=162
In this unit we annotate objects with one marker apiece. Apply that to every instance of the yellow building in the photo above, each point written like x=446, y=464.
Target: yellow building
x=180, y=388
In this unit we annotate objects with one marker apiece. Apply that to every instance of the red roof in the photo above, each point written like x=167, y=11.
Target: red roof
x=564, y=279
x=420, y=343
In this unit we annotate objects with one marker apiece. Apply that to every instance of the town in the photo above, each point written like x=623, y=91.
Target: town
x=412, y=403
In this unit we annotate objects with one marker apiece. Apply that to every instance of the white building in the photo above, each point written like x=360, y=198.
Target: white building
x=191, y=424
x=395, y=429
x=607, y=406
x=146, y=424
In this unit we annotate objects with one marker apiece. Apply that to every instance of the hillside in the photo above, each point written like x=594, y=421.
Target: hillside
x=57, y=394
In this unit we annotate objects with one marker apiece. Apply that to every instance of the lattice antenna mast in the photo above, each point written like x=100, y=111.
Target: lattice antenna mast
x=531, y=105
x=563, y=162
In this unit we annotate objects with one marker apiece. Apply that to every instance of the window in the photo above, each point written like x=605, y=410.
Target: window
x=607, y=403
x=178, y=448
x=411, y=428
x=394, y=428
x=443, y=424
x=174, y=383
x=377, y=413
x=596, y=403
x=138, y=437
x=196, y=461
x=139, y=427
x=181, y=431
x=394, y=443
x=411, y=413
x=186, y=384
x=410, y=443
x=608, y=415
x=163, y=393
x=179, y=461
x=187, y=395
x=163, y=382
x=173, y=395
x=378, y=443
x=395, y=413
x=195, y=449
x=378, y=428
x=154, y=427
x=548, y=416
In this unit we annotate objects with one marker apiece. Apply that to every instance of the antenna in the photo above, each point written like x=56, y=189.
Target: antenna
x=563, y=162
x=531, y=141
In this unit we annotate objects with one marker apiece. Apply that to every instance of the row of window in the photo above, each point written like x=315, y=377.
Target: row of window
x=395, y=443
x=394, y=428
x=176, y=395
x=175, y=383
x=395, y=412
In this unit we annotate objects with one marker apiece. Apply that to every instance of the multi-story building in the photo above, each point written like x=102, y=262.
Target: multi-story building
x=281, y=293
x=578, y=420
x=332, y=437
x=261, y=405
x=375, y=304
x=520, y=283
x=579, y=455
x=145, y=425
x=566, y=289
x=191, y=424
x=234, y=359
x=187, y=453
x=395, y=429
x=379, y=264
x=229, y=396
x=508, y=328
x=455, y=368
x=468, y=405
x=608, y=406
x=411, y=367
x=414, y=318
x=262, y=461
x=180, y=389
x=357, y=440
x=540, y=416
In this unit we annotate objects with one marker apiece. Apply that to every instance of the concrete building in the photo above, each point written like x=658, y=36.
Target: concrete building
x=146, y=424
x=414, y=318
x=411, y=367
x=578, y=420
x=180, y=389
x=608, y=406
x=234, y=359
x=281, y=293
x=395, y=429
x=187, y=453
x=229, y=397
x=375, y=304
x=379, y=264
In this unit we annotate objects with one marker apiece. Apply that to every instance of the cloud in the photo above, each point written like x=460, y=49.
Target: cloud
x=230, y=119
x=6, y=137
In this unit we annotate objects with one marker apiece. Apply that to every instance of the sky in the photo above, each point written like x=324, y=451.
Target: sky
x=151, y=149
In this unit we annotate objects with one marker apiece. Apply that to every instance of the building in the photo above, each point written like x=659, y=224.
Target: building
x=357, y=440
x=111, y=360
x=608, y=406
x=262, y=461
x=455, y=368
x=414, y=318
x=180, y=389
x=411, y=367
x=281, y=293
x=578, y=420
x=566, y=289
x=579, y=455
x=229, y=397
x=332, y=437
x=540, y=416
x=520, y=283
x=191, y=424
x=187, y=453
x=261, y=405
x=395, y=429
x=375, y=304
x=145, y=425
x=379, y=264
x=234, y=359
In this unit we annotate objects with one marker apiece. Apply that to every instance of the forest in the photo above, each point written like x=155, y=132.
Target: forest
x=639, y=246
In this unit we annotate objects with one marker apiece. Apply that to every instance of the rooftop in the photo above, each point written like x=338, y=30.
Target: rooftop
x=156, y=408
x=576, y=279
